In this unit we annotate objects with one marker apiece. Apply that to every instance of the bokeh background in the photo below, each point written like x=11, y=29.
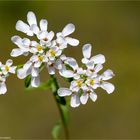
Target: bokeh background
x=113, y=28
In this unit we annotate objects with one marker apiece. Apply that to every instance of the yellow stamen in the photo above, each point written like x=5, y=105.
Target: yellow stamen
x=52, y=52
x=79, y=83
x=91, y=82
x=39, y=48
x=40, y=58
x=7, y=68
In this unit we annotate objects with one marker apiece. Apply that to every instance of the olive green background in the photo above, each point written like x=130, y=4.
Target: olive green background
x=113, y=28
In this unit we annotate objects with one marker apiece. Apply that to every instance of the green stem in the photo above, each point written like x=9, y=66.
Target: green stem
x=60, y=101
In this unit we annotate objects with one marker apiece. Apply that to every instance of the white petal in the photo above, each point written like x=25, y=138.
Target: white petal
x=60, y=39
x=98, y=59
x=51, y=70
x=68, y=29
x=75, y=101
x=31, y=18
x=108, y=74
x=26, y=42
x=22, y=73
x=85, y=60
x=21, y=26
x=98, y=67
x=27, y=65
x=58, y=53
x=81, y=71
x=108, y=87
x=34, y=43
x=64, y=92
x=35, y=72
x=37, y=64
x=3, y=88
x=72, y=63
x=87, y=50
x=76, y=76
x=43, y=24
x=17, y=40
x=16, y=52
x=35, y=81
x=63, y=57
x=90, y=65
x=93, y=96
x=72, y=41
x=9, y=62
x=58, y=64
x=42, y=34
x=12, y=69
x=84, y=98
x=34, y=28
x=50, y=35
x=66, y=73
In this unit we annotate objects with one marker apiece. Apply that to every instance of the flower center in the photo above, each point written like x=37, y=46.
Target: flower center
x=39, y=48
x=91, y=82
x=7, y=68
x=45, y=39
x=40, y=58
x=52, y=52
x=79, y=83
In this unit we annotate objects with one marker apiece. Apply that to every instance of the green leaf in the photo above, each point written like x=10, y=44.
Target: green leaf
x=27, y=81
x=56, y=130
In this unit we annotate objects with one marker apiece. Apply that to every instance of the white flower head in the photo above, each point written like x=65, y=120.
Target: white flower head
x=87, y=79
x=45, y=51
x=5, y=70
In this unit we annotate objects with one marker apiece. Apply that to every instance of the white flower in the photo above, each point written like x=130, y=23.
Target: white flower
x=32, y=28
x=98, y=59
x=23, y=44
x=87, y=79
x=32, y=67
x=108, y=74
x=53, y=53
x=62, y=37
x=8, y=68
x=5, y=69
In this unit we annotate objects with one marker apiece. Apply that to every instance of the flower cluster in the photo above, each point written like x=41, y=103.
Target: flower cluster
x=46, y=51
x=5, y=70
x=86, y=78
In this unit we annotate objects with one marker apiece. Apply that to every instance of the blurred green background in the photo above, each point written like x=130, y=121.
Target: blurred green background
x=114, y=30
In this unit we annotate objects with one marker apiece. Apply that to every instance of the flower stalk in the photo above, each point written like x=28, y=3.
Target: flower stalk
x=60, y=102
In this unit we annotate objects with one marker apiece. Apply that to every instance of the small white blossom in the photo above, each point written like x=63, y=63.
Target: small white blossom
x=8, y=68
x=32, y=67
x=5, y=70
x=98, y=59
x=87, y=79
x=62, y=37
x=32, y=28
